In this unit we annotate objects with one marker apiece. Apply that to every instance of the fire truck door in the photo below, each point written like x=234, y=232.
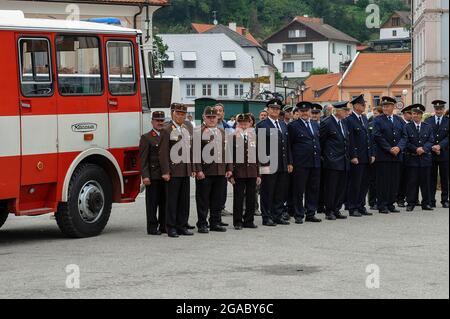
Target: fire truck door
x=37, y=106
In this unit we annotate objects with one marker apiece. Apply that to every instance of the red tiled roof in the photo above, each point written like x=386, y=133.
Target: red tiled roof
x=322, y=82
x=376, y=69
x=202, y=28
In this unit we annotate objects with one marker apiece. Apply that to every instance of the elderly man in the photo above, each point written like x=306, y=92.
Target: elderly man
x=334, y=139
x=418, y=159
x=439, y=123
x=177, y=171
x=361, y=157
x=316, y=112
x=390, y=143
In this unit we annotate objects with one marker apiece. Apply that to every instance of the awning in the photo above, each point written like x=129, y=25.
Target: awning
x=229, y=56
x=171, y=56
x=189, y=56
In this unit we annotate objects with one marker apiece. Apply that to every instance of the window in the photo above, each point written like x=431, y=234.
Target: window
x=333, y=48
x=168, y=64
x=288, y=67
x=35, y=67
x=190, y=90
x=291, y=48
x=395, y=22
x=223, y=89
x=239, y=90
x=307, y=66
x=207, y=90
x=292, y=34
x=121, y=74
x=229, y=64
x=190, y=64
x=78, y=65
x=376, y=100
x=394, y=33
x=349, y=50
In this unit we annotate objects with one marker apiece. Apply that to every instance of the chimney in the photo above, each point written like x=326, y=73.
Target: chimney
x=233, y=26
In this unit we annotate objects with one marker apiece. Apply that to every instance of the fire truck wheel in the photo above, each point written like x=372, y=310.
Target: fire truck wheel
x=88, y=208
x=3, y=214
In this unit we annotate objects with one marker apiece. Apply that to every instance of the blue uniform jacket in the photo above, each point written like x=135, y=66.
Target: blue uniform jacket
x=414, y=140
x=360, y=140
x=334, y=145
x=388, y=135
x=440, y=138
x=305, y=146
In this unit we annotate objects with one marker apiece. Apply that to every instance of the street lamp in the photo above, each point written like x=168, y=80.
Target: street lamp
x=301, y=90
x=285, y=85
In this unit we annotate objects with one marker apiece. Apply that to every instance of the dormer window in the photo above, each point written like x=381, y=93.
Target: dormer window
x=229, y=59
x=189, y=60
x=295, y=34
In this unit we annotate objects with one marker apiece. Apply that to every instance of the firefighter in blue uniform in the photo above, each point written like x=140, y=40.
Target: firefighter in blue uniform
x=274, y=190
x=439, y=123
x=418, y=159
x=336, y=162
x=304, y=142
x=361, y=156
x=390, y=144
x=401, y=197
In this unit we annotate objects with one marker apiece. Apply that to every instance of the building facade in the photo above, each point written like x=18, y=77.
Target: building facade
x=397, y=26
x=307, y=43
x=208, y=65
x=430, y=49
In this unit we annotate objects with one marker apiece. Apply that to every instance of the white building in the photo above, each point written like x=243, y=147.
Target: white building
x=307, y=43
x=208, y=65
x=397, y=26
x=430, y=49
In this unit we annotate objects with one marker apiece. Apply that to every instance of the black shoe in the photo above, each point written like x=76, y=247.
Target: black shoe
x=190, y=227
x=163, y=230
x=433, y=205
x=383, y=211
x=313, y=219
x=154, y=232
x=330, y=217
x=250, y=226
x=446, y=205
x=401, y=204
x=286, y=217
x=173, y=233
x=393, y=210
x=218, y=228
x=203, y=230
x=238, y=227
x=340, y=216
x=409, y=208
x=282, y=222
x=299, y=221
x=374, y=207
x=427, y=207
x=269, y=223
x=223, y=224
x=355, y=214
x=185, y=232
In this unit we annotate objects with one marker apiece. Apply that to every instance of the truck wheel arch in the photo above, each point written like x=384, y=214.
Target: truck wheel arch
x=102, y=158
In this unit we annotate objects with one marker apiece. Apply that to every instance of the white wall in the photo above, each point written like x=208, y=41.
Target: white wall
x=261, y=68
x=336, y=58
x=214, y=89
x=387, y=33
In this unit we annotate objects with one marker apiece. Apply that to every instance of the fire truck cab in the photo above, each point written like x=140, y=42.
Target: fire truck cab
x=71, y=112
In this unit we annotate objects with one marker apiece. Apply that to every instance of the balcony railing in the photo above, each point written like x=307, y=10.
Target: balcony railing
x=297, y=56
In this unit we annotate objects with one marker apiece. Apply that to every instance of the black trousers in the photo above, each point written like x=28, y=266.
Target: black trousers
x=402, y=189
x=155, y=198
x=335, y=189
x=372, y=185
x=223, y=200
x=419, y=178
x=358, y=187
x=442, y=169
x=244, y=188
x=178, y=201
x=274, y=194
x=388, y=179
x=321, y=208
x=208, y=197
x=290, y=200
x=305, y=188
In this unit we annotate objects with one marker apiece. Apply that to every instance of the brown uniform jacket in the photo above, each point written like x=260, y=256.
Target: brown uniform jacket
x=149, y=153
x=214, y=169
x=244, y=169
x=170, y=136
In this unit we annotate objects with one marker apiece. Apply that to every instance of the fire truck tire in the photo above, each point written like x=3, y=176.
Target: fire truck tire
x=89, y=204
x=3, y=214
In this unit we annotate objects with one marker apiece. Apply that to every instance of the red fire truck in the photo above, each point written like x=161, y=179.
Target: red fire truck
x=71, y=114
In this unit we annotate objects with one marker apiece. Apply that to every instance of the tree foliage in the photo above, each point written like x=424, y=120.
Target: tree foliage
x=263, y=17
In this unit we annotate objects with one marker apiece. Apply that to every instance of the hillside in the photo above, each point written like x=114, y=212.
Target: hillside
x=263, y=17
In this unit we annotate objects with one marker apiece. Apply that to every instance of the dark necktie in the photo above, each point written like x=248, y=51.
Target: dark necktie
x=342, y=129
x=361, y=120
x=439, y=122
x=308, y=123
x=278, y=126
x=418, y=129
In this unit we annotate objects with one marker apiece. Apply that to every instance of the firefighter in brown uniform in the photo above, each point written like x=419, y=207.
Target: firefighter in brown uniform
x=245, y=173
x=155, y=193
x=210, y=174
x=175, y=158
